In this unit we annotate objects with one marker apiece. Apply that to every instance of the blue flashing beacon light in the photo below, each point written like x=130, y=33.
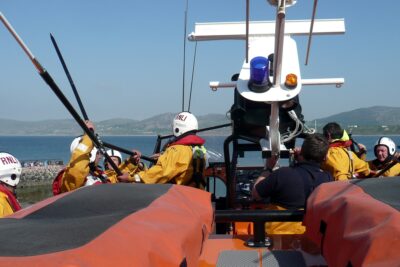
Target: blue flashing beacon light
x=259, y=74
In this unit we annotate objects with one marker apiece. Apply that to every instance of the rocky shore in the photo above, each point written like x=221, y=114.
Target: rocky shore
x=39, y=175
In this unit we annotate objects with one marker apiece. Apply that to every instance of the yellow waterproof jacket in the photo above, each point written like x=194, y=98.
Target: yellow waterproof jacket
x=5, y=207
x=393, y=171
x=175, y=164
x=78, y=167
x=125, y=166
x=283, y=228
x=343, y=164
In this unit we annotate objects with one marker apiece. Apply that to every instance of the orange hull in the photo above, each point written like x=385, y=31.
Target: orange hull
x=110, y=225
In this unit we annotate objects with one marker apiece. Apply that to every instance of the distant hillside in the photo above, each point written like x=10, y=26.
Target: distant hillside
x=372, y=120
x=46, y=127
x=160, y=124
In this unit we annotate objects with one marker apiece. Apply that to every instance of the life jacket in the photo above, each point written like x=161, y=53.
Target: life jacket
x=95, y=177
x=346, y=144
x=56, y=185
x=199, y=163
x=11, y=198
x=199, y=157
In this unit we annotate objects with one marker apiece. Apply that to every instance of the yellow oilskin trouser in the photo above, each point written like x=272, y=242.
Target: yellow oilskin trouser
x=173, y=166
x=343, y=164
x=278, y=228
x=5, y=207
x=393, y=171
x=283, y=228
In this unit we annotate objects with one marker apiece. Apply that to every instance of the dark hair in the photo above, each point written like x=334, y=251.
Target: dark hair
x=314, y=148
x=332, y=130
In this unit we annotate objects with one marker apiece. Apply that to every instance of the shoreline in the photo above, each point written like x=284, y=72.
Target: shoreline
x=39, y=175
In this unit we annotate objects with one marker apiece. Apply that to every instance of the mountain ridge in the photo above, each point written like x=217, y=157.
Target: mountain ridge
x=370, y=120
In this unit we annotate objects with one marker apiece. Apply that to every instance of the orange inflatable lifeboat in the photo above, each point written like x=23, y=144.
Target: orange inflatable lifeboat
x=357, y=222
x=110, y=225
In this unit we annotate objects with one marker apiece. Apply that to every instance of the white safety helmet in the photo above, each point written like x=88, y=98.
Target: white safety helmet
x=77, y=142
x=115, y=153
x=184, y=122
x=386, y=141
x=10, y=169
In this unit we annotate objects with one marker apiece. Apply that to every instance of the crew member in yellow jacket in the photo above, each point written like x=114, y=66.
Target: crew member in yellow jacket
x=10, y=172
x=340, y=161
x=83, y=169
x=176, y=163
x=385, y=150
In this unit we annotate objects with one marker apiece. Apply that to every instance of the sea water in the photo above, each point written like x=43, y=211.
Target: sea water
x=31, y=148
x=58, y=147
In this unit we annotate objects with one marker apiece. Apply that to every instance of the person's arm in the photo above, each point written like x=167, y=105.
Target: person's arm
x=361, y=167
x=265, y=185
x=262, y=177
x=270, y=164
x=362, y=151
x=5, y=207
x=78, y=167
x=128, y=168
x=337, y=163
x=173, y=164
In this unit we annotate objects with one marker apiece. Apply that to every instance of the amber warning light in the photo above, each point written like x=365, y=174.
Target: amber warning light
x=291, y=80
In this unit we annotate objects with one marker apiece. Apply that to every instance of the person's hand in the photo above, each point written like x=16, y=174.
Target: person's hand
x=372, y=173
x=124, y=178
x=155, y=156
x=297, y=154
x=90, y=125
x=141, y=166
x=271, y=162
x=361, y=149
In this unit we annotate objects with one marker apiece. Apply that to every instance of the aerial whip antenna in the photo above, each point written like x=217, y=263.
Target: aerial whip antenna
x=247, y=29
x=311, y=30
x=191, y=82
x=82, y=108
x=78, y=98
x=184, y=56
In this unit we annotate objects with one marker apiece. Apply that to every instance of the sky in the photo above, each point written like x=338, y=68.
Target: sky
x=126, y=57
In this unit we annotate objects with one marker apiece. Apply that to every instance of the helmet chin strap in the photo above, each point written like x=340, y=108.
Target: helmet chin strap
x=14, y=191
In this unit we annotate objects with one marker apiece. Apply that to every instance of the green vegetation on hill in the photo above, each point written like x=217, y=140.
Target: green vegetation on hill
x=377, y=120
x=160, y=124
x=374, y=120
